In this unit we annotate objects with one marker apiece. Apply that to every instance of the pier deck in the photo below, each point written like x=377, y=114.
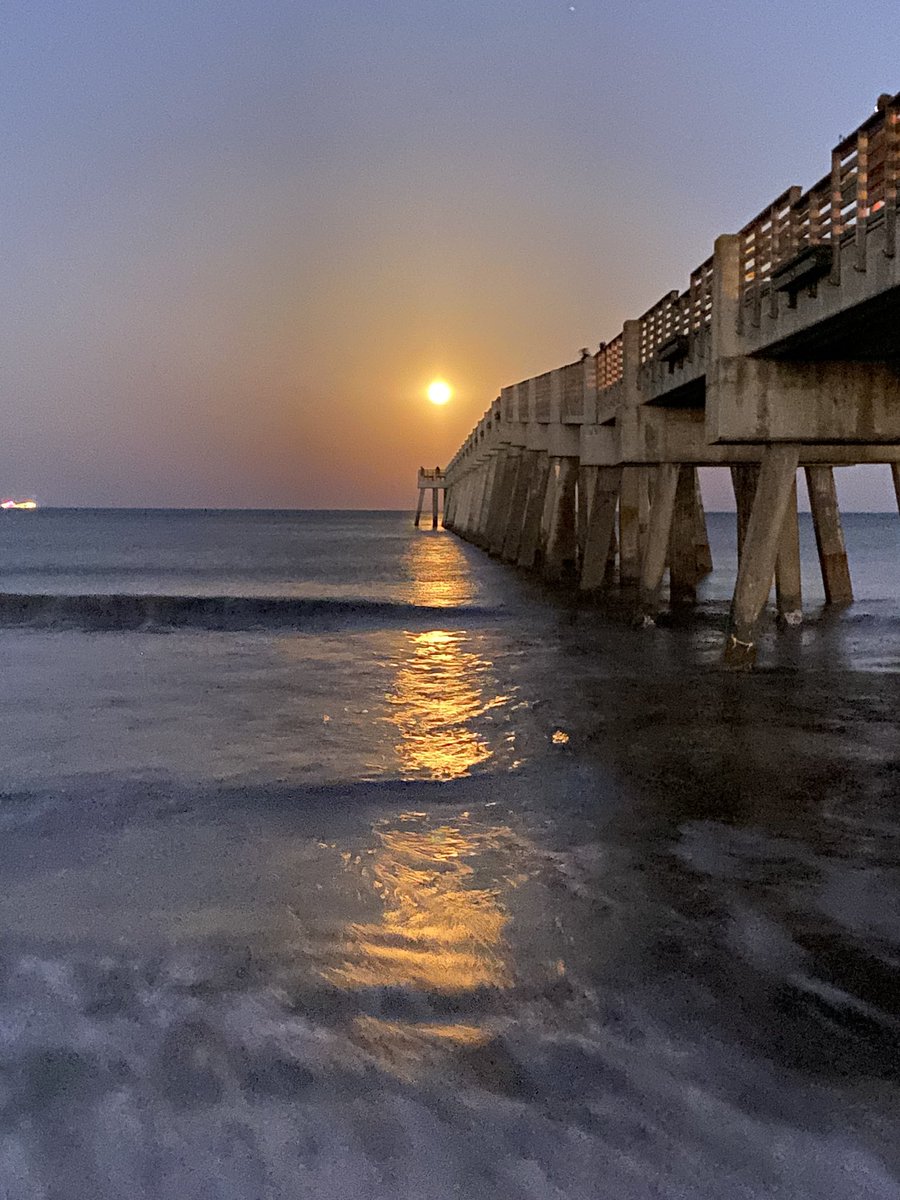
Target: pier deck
x=782, y=353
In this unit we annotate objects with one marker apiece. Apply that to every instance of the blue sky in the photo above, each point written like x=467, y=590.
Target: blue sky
x=239, y=239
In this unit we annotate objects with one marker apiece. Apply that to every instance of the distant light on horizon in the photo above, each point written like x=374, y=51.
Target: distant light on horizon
x=439, y=392
x=18, y=504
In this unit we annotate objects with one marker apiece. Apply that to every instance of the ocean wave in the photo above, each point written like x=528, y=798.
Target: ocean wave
x=197, y=1072
x=127, y=611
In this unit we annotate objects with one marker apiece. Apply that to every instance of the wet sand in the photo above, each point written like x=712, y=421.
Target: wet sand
x=630, y=928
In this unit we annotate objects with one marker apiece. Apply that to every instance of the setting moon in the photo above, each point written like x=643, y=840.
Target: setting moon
x=439, y=392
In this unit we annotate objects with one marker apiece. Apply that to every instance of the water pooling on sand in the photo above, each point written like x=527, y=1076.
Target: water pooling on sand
x=509, y=901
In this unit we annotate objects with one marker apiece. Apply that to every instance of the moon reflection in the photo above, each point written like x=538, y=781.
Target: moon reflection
x=438, y=572
x=440, y=929
x=437, y=695
x=438, y=884
x=440, y=934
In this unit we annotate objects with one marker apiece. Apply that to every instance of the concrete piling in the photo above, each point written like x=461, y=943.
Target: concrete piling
x=501, y=521
x=645, y=497
x=518, y=505
x=550, y=502
x=658, y=531
x=587, y=479
x=498, y=502
x=560, y=550
x=683, y=576
x=777, y=478
x=487, y=498
x=788, y=584
x=743, y=479
x=829, y=532
x=534, y=510
x=630, y=499
x=701, y=536
x=601, y=531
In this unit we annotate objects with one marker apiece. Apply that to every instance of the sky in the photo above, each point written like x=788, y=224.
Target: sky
x=239, y=239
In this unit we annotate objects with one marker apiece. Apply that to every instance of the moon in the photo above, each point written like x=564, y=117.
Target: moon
x=439, y=392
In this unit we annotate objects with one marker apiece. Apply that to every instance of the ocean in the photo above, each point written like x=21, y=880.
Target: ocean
x=339, y=860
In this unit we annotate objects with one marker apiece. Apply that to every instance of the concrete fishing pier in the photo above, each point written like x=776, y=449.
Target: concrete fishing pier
x=433, y=480
x=782, y=353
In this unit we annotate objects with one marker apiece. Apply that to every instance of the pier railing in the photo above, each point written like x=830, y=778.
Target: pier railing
x=792, y=244
x=860, y=190
x=610, y=363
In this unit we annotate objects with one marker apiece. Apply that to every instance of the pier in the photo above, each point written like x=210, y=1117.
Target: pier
x=781, y=354
x=433, y=480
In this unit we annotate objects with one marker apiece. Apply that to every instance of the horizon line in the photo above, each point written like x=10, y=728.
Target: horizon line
x=328, y=509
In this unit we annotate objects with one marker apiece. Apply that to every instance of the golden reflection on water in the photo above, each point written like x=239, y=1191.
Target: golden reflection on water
x=440, y=931
x=439, y=886
x=406, y=1048
x=438, y=691
x=442, y=683
x=438, y=571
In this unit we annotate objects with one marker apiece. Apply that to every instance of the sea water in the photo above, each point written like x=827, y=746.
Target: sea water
x=339, y=860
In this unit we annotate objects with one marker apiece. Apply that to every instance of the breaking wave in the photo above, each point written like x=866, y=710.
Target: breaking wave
x=125, y=611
